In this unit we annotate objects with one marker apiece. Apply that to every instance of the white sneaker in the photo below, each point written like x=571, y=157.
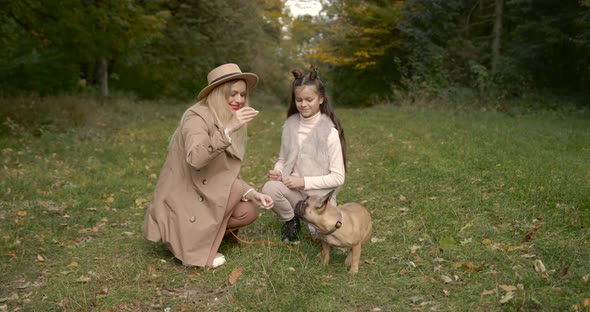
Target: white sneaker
x=218, y=261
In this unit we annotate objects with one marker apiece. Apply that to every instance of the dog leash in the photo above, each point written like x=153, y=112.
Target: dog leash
x=268, y=243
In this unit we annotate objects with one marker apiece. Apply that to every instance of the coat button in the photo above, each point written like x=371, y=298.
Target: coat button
x=205, y=181
x=193, y=219
x=200, y=198
x=210, y=148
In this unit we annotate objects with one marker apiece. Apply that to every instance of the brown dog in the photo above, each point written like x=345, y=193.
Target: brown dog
x=347, y=225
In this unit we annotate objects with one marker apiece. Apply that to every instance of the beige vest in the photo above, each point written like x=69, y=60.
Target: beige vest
x=312, y=158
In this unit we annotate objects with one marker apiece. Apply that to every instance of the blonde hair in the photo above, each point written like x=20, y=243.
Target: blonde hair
x=217, y=101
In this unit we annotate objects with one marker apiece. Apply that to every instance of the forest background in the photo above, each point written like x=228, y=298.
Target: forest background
x=368, y=51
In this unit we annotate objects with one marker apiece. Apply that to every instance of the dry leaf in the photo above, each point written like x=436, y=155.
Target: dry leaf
x=446, y=279
x=377, y=239
x=414, y=248
x=530, y=234
x=151, y=269
x=586, y=278
x=507, y=297
x=528, y=256
x=466, y=241
x=83, y=279
x=73, y=264
x=402, y=198
x=235, y=275
x=489, y=292
x=587, y=302
x=539, y=266
x=564, y=272
x=40, y=258
x=292, y=269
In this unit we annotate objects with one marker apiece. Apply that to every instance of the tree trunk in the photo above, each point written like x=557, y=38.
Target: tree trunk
x=497, y=35
x=104, y=77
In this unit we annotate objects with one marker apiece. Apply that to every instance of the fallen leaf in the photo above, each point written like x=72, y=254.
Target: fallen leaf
x=528, y=256
x=489, y=292
x=414, y=248
x=539, y=266
x=586, y=278
x=507, y=297
x=83, y=279
x=564, y=272
x=587, y=302
x=466, y=241
x=446, y=279
x=292, y=269
x=377, y=240
x=447, y=243
x=530, y=234
x=40, y=258
x=151, y=269
x=370, y=261
x=73, y=264
x=415, y=299
x=468, y=225
x=402, y=198
x=235, y=275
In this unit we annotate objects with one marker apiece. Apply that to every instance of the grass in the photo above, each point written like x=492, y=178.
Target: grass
x=453, y=195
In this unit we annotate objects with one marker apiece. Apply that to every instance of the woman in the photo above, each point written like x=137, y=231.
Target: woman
x=199, y=194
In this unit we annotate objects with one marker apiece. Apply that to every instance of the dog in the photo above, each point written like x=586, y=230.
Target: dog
x=347, y=226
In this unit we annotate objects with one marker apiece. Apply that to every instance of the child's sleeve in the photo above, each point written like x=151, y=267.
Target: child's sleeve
x=336, y=176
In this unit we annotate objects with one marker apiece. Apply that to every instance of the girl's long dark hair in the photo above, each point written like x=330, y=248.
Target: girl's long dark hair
x=312, y=78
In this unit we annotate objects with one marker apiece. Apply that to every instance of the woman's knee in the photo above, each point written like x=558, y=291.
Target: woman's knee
x=244, y=213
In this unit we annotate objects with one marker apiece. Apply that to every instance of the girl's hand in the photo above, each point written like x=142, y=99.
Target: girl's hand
x=294, y=182
x=241, y=117
x=275, y=175
x=262, y=200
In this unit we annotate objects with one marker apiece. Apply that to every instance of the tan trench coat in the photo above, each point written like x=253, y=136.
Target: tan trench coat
x=193, y=188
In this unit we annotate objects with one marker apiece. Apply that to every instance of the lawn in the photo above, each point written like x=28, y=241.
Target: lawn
x=472, y=210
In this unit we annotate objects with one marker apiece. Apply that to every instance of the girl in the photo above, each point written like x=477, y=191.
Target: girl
x=199, y=193
x=313, y=151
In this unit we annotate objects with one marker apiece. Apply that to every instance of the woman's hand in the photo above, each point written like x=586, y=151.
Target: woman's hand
x=275, y=175
x=294, y=182
x=241, y=117
x=261, y=200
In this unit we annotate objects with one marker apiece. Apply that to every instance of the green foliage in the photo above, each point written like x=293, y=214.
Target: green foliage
x=371, y=48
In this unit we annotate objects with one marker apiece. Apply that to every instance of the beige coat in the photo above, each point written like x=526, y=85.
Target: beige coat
x=193, y=188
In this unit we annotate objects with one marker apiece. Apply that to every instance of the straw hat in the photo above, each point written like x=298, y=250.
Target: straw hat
x=224, y=73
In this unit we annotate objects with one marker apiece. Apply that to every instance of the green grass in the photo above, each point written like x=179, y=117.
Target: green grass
x=453, y=193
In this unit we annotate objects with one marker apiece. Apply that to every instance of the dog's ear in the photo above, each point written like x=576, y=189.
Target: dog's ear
x=323, y=201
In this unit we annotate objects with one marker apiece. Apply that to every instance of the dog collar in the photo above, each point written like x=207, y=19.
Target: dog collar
x=336, y=226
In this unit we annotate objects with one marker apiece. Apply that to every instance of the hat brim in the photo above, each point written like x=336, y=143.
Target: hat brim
x=251, y=81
